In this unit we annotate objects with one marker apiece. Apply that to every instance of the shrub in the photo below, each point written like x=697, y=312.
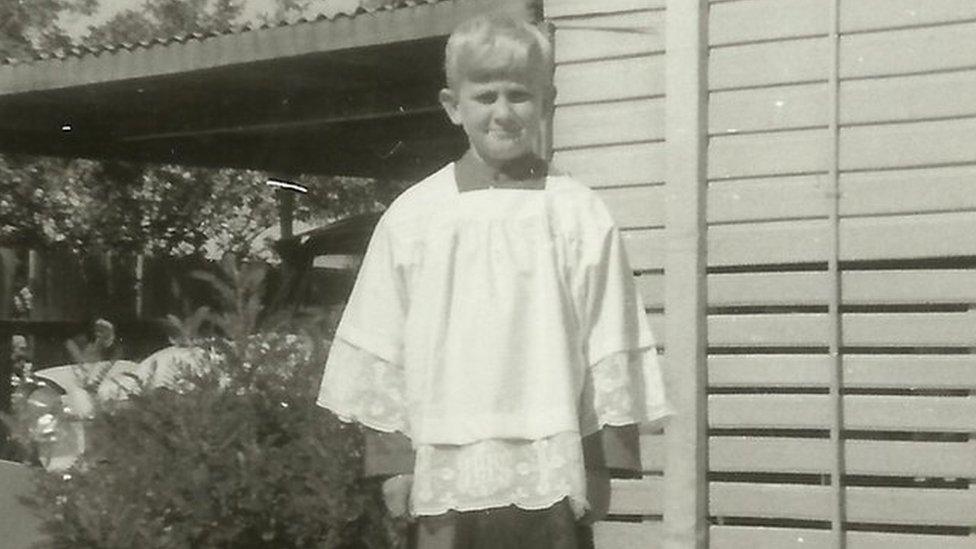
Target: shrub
x=232, y=454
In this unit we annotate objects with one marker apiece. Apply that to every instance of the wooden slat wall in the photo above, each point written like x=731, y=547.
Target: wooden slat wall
x=907, y=202
x=608, y=131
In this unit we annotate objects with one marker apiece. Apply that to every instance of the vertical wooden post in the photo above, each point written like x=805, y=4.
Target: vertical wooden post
x=685, y=302
x=286, y=208
x=835, y=343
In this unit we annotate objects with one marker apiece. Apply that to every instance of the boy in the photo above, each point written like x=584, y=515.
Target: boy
x=495, y=321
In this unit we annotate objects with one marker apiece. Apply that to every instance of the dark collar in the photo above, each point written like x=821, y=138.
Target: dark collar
x=472, y=174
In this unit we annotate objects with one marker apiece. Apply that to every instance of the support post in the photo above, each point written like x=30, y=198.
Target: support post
x=685, y=303
x=834, y=305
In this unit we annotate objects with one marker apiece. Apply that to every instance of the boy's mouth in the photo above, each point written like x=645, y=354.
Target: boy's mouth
x=504, y=135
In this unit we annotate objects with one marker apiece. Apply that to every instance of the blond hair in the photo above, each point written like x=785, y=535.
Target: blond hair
x=497, y=44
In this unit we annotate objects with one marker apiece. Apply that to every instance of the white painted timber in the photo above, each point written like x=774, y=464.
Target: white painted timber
x=569, y=8
x=769, y=63
x=608, y=36
x=763, y=109
x=862, y=412
x=630, y=164
x=737, y=537
x=766, y=154
x=906, y=51
x=908, y=144
x=614, y=79
x=608, y=123
x=732, y=22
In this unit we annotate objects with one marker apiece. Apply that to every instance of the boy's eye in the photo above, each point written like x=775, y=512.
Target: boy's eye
x=486, y=98
x=520, y=96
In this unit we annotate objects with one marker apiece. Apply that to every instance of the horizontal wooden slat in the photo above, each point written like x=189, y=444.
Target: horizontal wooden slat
x=762, y=243
x=900, y=237
x=860, y=371
x=786, y=288
x=780, y=107
x=769, y=500
x=619, y=535
x=645, y=248
x=877, y=505
x=615, y=165
x=769, y=63
x=908, y=371
x=908, y=191
x=736, y=21
x=870, y=238
x=859, y=330
x=908, y=51
x=902, y=98
x=637, y=497
x=908, y=97
x=861, y=457
x=608, y=123
x=610, y=79
x=912, y=505
x=768, y=330
x=885, y=413
x=567, y=8
x=921, y=286
x=779, y=153
x=862, y=193
x=635, y=206
x=908, y=144
x=860, y=15
x=881, y=287
x=910, y=329
x=769, y=199
x=769, y=370
x=604, y=36
x=737, y=537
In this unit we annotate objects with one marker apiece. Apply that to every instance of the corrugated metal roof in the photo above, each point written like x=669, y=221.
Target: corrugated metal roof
x=335, y=9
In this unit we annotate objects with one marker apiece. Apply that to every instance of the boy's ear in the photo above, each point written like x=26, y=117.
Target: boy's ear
x=450, y=103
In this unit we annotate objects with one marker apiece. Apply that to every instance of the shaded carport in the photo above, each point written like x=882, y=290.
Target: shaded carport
x=354, y=94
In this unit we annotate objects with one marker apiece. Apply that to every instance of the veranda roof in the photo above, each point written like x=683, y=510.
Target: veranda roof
x=352, y=93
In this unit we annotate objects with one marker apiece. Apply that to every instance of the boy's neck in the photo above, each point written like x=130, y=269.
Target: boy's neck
x=525, y=172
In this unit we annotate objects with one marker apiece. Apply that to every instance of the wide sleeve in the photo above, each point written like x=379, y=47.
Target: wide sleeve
x=362, y=387
x=374, y=316
x=611, y=311
x=623, y=383
x=364, y=378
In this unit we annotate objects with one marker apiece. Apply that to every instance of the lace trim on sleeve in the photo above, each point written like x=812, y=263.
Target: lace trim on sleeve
x=360, y=386
x=623, y=388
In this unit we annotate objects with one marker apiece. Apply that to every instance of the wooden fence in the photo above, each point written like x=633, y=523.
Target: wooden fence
x=837, y=183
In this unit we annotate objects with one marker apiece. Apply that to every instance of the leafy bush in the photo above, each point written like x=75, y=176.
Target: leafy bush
x=232, y=454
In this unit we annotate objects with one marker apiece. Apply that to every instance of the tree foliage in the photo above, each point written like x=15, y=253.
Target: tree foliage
x=166, y=18
x=27, y=26
x=152, y=209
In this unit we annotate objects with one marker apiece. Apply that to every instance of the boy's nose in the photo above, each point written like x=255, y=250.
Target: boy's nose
x=503, y=109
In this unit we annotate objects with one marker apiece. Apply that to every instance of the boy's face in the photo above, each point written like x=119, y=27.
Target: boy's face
x=501, y=114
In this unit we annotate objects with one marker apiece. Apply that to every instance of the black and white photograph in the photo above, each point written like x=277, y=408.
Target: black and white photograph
x=487, y=274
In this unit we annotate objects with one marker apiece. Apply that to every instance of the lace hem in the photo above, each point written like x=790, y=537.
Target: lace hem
x=530, y=474
x=624, y=388
x=359, y=386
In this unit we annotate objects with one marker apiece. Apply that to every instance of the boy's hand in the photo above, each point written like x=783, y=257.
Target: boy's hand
x=396, y=495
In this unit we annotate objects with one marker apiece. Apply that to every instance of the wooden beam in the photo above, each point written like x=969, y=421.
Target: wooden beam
x=686, y=125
